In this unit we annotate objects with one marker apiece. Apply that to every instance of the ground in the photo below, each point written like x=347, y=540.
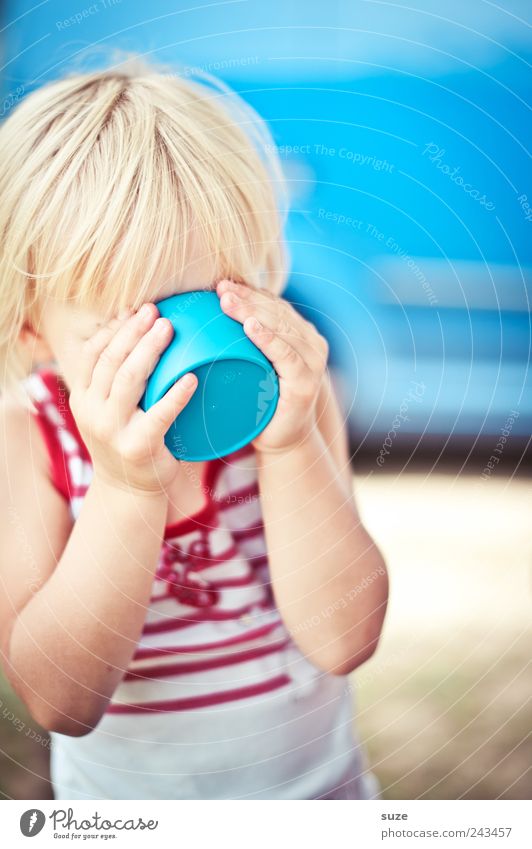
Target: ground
x=444, y=705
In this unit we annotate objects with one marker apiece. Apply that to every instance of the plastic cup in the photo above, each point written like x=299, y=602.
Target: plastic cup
x=237, y=389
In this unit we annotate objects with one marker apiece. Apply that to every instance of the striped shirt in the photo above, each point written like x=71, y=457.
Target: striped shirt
x=218, y=701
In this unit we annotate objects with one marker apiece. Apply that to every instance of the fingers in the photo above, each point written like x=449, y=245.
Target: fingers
x=288, y=362
x=242, y=302
x=130, y=380
x=94, y=346
x=158, y=419
x=124, y=339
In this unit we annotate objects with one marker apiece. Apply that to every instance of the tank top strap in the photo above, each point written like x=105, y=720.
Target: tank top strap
x=67, y=452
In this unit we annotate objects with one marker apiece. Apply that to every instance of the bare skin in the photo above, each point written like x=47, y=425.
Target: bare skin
x=73, y=598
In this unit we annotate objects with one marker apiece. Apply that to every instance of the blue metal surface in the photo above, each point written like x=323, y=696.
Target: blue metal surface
x=404, y=133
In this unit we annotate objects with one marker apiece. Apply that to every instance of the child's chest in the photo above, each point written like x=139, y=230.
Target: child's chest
x=186, y=495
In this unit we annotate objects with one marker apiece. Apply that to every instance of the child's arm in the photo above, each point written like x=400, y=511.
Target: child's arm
x=329, y=578
x=66, y=643
x=72, y=603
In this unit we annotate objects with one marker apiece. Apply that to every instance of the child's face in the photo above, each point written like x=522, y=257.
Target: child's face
x=64, y=326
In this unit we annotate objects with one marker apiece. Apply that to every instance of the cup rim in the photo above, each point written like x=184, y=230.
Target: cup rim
x=170, y=381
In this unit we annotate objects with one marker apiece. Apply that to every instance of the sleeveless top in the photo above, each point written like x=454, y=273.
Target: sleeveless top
x=218, y=702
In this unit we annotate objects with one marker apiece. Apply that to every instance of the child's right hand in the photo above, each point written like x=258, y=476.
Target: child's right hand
x=126, y=444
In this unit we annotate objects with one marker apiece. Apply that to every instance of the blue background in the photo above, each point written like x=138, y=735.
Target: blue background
x=424, y=285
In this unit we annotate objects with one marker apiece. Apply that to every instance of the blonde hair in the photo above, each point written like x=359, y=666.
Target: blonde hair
x=107, y=176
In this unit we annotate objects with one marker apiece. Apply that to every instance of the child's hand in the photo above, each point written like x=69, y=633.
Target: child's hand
x=126, y=444
x=296, y=350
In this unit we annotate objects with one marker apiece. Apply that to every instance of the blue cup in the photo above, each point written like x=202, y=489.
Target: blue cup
x=237, y=389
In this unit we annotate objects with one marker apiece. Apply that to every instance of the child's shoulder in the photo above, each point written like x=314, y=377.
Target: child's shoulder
x=25, y=440
x=30, y=505
x=20, y=437
x=34, y=519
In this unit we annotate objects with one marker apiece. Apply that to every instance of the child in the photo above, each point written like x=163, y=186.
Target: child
x=183, y=630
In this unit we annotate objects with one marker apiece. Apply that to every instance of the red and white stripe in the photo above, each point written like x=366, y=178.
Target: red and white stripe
x=189, y=655
x=217, y=701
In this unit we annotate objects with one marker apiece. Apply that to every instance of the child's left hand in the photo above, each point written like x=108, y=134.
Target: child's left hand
x=297, y=351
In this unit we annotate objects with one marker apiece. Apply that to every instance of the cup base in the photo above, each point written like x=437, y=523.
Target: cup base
x=233, y=402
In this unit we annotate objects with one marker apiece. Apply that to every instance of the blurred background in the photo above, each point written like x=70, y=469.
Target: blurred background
x=404, y=134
